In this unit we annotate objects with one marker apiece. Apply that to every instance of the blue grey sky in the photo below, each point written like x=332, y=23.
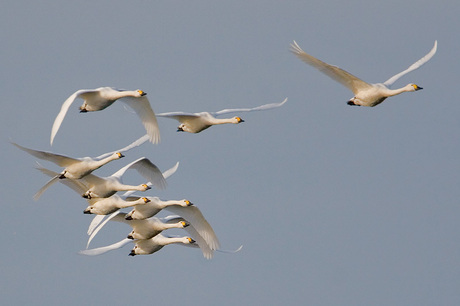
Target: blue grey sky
x=335, y=205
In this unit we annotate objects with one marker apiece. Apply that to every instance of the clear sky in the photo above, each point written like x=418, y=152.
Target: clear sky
x=335, y=205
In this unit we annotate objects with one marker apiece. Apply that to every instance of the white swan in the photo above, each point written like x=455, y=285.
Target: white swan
x=104, y=187
x=197, y=122
x=141, y=247
x=365, y=94
x=101, y=98
x=76, y=168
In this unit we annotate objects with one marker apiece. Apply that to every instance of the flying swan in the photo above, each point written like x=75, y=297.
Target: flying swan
x=197, y=122
x=102, y=97
x=365, y=94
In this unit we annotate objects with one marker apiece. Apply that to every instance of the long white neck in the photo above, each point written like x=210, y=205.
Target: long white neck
x=170, y=240
x=223, y=120
x=164, y=204
x=99, y=163
x=394, y=92
x=123, y=204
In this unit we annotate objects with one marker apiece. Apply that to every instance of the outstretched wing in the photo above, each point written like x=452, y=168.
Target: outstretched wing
x=65, y=106
x=75, y=185
x=343, y=77
x=102, y=250
x=60, y=160
x=136, y=143
x=179, y=116
x=145, y=112
x=258, y=108
x=194, y=216
x=414, y=66
x=147, y=169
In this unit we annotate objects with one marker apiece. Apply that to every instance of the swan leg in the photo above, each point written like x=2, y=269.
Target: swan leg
x=352, y=103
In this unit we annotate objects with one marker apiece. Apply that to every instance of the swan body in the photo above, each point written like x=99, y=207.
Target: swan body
x=197, y=122
x=365, y=94
x=105, y=206
x=77, y=168
x=102, y=97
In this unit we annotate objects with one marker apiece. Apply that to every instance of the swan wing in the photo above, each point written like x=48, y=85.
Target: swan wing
x=136, y=143
x=60, y=160
x=166, y=174
x=196, y=219
x=145, y=112
x=51, y=182
x=343, y=77
x=75, y=185
x=64, y=108
x=105, y=249
x=179, y=116
x=96, y=230
x=147, y=169
x=258, y=108
x=95, y=222
x=414, y=66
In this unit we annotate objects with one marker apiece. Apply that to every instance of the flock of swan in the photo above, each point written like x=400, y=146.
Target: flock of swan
x=103, y=194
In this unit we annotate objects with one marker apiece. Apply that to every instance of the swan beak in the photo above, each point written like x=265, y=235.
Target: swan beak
x=132, y=253
x=83, y=110
x=120, y=155
x=191, y=240
x=87, y=211
x=188, y=203
x=142, y=93
x=128, y=217
x=179, y=129
x=130, y=237
x=146, y=200
x=86, y=196
x=239, y=119
x=147, y=187
x=416, y=87
x=185, y=224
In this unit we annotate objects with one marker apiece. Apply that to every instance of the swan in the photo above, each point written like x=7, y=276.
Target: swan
x=104, y=187
x=76, y=168
x=197, y=122
x=365, y=94
x=141, y=247
x=147, y=228
x=102, y=97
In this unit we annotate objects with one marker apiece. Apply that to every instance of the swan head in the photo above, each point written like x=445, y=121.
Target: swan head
x=187, y=203
x=180, y=128
x=238, y=120
x=415, y=87
x=118, y=155
x=87, y=210
x=141, y=93
x=145, y=187
x=87, y=195
x=130, y=236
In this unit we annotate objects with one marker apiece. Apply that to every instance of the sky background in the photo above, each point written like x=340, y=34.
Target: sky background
x=335, y=205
